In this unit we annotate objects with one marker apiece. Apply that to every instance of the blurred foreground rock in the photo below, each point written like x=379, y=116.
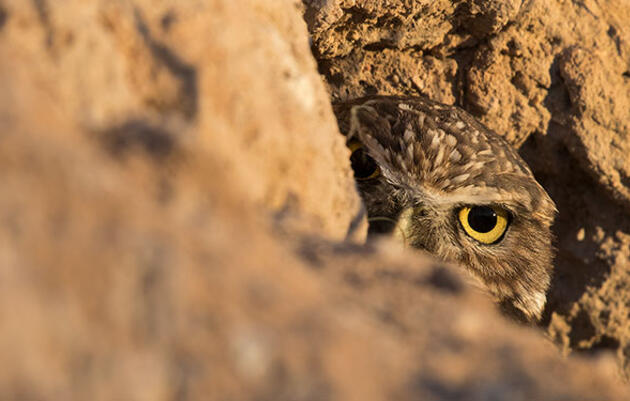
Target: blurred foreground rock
x=174, y=200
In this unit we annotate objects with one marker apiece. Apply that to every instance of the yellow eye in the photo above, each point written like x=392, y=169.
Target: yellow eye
x=365, y=168
x=486, y=224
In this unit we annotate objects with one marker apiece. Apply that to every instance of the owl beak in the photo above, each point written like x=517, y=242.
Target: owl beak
x=403, y=228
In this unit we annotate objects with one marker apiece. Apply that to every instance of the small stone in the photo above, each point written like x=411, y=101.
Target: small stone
x=580, y=234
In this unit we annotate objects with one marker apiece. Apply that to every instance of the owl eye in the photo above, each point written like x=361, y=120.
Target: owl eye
x=486, y=224
x=365, y=168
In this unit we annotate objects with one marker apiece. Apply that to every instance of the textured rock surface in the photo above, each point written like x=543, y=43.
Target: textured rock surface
x=553, y=78
x=174, y=192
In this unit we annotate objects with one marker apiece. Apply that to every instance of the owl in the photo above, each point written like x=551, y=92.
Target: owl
x=437, y=179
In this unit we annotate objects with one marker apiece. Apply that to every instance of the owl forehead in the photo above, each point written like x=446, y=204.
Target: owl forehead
x=447, y=152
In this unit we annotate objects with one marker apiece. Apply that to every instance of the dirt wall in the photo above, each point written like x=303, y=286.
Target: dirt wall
x=551, y=77
x=174, y=200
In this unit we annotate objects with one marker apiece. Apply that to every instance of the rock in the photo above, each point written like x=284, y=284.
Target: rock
x=175, y=195
x=141, y=80
x=552, y=78
x=599, y=117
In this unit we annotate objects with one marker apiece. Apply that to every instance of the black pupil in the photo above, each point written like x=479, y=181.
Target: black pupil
x=482, y=219
x=362, y=164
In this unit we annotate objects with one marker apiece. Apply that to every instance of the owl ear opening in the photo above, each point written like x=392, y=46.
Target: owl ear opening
x=374, y=132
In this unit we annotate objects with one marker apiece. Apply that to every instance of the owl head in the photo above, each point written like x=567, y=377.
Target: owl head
x=437, y=179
